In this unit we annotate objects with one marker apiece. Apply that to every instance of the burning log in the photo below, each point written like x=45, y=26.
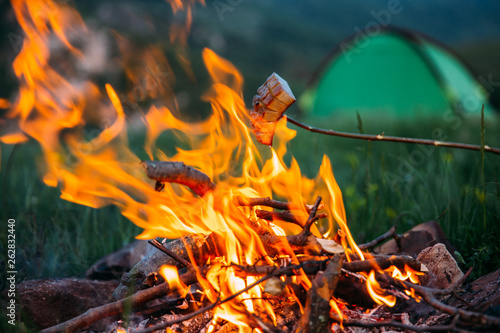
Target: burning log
x=144, y=274
x=268, y=202
x=300, y=267
x=317, y=312
x=180, y=173
x=117, y=307
x=192, y=253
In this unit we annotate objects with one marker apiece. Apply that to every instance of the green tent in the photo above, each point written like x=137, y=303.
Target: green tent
x=393, y=72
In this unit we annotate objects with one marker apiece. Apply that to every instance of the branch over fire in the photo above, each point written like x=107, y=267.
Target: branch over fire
x=268, y=110
x=180, y=173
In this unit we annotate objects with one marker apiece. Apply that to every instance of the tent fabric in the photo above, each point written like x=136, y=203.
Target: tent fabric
x=395, y=72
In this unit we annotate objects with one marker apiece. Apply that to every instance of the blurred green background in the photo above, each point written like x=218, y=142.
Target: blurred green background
x=379, y=181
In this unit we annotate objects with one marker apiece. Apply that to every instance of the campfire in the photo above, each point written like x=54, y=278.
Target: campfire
x=254, y=245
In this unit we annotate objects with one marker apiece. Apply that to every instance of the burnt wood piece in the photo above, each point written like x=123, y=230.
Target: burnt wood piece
x=180, y=173
x=286, y=216
x=117, y=307
x=312, y=267
x=415, y=240
x=317, y=311
x=142, y=273
x=268, y=202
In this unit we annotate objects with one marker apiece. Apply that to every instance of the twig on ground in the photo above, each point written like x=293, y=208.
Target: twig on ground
x=430, y=296
x=382, y=137
x=278, y=272
x=114, y=308
x=423, y=328
x=390, y=233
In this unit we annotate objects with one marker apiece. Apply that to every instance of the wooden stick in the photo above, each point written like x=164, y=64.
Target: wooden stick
x=429, y=295
x=111, y=309
x=286, y=216
x=278, y=272
x=180, y=173
x=383, y=263
x=317, y=311
x=268, y=202
x=168, y=252
x=311, y=267
x=312, y=216
x=390, y=233
x=382, y=137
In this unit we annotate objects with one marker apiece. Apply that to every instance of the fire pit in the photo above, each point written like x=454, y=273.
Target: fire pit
x=255, y=246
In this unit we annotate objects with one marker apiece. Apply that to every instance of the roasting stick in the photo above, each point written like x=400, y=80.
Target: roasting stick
x=382, y=137
x=275, y=96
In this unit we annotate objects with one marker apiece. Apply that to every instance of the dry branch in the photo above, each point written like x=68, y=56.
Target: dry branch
x=431, y=298
x=268, y=202
x=180, y=173
x=311, y=267
x=115, y=308
x=170, y=253
x=317, y=311
x=286, y=216
x=382, y=137
x=389, y=234
x=383, y=262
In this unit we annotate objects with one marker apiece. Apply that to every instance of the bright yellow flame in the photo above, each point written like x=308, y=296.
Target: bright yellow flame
x=102, y=170
x=376, y=292
x=407, y=273
x=171, y=275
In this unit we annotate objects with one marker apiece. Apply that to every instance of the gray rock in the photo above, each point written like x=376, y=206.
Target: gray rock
x=112, y=266
x=45, y=303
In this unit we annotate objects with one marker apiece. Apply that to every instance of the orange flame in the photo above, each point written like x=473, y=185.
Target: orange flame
x=103, y=170
x=377, y=293
x=408, y=273
x=380, y=296
x=171, y=275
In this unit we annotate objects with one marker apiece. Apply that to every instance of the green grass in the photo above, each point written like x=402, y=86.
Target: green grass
x=54, y=238
x=379, y=181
